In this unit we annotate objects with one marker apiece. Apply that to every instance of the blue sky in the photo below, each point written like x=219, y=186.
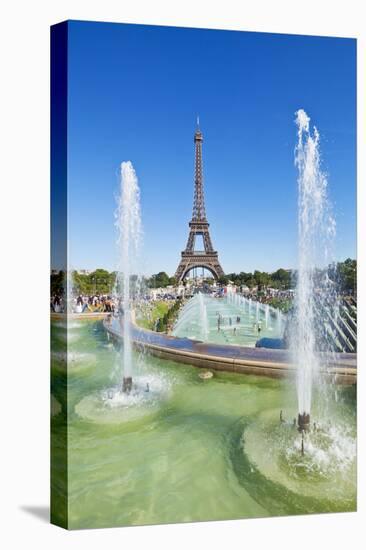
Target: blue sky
x=134, y=93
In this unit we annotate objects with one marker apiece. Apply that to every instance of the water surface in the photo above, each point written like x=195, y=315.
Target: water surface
x=187, y=450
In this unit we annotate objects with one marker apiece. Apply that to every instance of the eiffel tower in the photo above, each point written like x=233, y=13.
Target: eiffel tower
x=198, y=226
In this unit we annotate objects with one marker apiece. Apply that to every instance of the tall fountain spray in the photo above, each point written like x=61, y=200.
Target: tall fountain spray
x=315, y=228
x=128, y=224
x=267, y=315
x=279, y=321
x=203, y=318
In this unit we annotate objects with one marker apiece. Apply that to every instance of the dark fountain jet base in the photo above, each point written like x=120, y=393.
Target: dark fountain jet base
x=303, y=422
x=127, y=384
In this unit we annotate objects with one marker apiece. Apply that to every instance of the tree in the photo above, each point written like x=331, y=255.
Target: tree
x=223, y=280
x=346, y=275
x=101, y=281
x=58, y=283
x=161, y=279
x=160, y=326
x=282, y=278
x=262, y=278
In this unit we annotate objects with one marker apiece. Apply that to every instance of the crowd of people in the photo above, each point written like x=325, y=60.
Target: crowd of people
x=221, y=319
x=99, y=303
x=265, y=297
x=84, y=304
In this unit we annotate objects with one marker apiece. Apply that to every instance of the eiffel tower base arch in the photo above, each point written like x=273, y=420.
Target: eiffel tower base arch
x=206, y=261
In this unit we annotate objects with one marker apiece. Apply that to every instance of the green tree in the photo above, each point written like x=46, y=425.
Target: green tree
x=101, y=281
x=282, y=278
x=262, y=278
x=346, y=275
x=223, y=280
x=160, y=279
x=58, y=283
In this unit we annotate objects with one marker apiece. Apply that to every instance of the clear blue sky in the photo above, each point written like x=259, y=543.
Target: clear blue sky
x=134, y=93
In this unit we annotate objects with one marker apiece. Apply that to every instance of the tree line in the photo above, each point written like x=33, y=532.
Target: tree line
x=101, y=281
x=280, y=279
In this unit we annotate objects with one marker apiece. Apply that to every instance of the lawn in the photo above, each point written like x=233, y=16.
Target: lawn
x=148, y=315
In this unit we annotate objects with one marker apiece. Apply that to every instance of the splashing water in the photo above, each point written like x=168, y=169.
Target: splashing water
x=267, y=315
x=203, y=318
x=128, y=224
x=316, y=229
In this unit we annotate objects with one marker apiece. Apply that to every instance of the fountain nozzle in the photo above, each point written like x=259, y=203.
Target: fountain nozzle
x=303, y=422
x=127, y=384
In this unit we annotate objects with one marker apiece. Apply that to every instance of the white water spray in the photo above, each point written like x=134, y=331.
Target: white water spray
x=203, y=318
x=128, y=223
x=315, y=228
x=267, y=315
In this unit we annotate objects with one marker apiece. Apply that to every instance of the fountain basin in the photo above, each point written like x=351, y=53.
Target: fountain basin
x=341, y=367
x=140, y=449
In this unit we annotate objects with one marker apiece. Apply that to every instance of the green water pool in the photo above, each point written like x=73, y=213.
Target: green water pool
x=188, y=449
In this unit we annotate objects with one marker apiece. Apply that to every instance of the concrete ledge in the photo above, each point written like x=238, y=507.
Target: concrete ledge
x=239, y=359
x=79, y=316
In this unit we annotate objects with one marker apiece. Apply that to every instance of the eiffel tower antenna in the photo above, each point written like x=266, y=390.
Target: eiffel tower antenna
x=198, y=226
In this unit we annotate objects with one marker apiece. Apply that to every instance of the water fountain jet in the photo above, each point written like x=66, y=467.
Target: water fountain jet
x=127, y=384
x=302, y=442
x=303, y=422
x=128, y=223
x=315, y=228
x=203, y=318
